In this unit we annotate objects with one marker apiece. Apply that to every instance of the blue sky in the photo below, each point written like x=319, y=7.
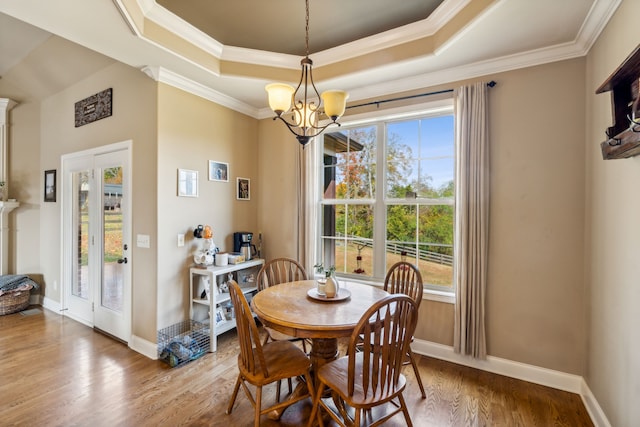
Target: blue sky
x=432, y=146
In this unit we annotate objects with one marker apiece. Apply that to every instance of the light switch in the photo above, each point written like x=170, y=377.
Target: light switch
x=180, y=240
x=143, y=240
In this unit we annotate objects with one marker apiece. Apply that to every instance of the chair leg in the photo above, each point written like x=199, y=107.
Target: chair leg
x=405, y=410
x=315, y=410
x=417, y=373
x=290, y=385
x=234, y=395
x=278, y=390
x=258, y=408
x=356, y=420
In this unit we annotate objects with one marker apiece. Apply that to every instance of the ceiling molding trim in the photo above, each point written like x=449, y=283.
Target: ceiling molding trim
x=183, y=29
x=170, y=78
x=387, y=39
x=450, y=75
x=260, y=57
x=146, y=5
x=446, y=11
x=126, y=17
x=600, y=13
x=462, y=31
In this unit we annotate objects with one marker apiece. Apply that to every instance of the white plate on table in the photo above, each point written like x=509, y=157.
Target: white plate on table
x=342, y=295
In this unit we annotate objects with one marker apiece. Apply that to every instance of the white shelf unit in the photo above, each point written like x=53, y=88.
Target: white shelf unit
x=216, y=299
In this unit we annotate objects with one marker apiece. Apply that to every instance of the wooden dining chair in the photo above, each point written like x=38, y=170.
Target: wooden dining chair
x=405, y=278
x=372, y=376
x=260, y=364
x=274, y=272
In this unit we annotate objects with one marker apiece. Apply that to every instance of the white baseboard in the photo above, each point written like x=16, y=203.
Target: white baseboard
x=143, y=347
x=51, y=305
x=593, y=407
x=522, y=371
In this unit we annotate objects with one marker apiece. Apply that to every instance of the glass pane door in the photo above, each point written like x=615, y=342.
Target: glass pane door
x=80, y=213
x=113, y=254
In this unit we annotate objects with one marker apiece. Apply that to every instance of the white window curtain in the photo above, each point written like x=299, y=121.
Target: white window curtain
x=472, y=222
x=308, y=197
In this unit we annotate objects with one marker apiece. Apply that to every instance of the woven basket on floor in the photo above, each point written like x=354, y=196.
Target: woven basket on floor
x=14, y=301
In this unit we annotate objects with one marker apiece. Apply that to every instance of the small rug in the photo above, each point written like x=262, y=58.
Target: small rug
x=31, y=312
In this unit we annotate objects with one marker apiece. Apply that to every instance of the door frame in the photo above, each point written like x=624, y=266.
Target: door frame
x=66, y=258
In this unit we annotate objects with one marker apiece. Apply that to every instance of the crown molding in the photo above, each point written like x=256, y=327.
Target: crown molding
x=597, y=18
x=170, y=78
x=464, y=72
x=181, y=28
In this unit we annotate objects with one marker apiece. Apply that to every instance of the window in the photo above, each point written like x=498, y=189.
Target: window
x=388, y=194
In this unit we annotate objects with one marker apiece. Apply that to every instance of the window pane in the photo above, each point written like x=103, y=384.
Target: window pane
x=349, y=160
x=402, y=223
x=347, y=254
x=422, y=235
x=420, y=157
x=438, y=176
x=80, y=275
x=348, y=232
x=438, y=137
x=436, y=225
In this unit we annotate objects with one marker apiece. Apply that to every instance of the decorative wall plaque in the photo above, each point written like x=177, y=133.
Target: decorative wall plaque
x=94, y=108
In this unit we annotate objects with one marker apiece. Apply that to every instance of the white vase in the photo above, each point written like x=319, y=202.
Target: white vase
x=331, y=287
x=321, y=286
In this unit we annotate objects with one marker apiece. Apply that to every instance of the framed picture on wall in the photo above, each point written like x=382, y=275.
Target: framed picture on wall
x=243, y=189
x=218, y=171
x=187, y=183
x=50, y=185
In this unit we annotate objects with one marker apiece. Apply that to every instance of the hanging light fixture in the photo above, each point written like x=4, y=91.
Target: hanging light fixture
x=307, y=101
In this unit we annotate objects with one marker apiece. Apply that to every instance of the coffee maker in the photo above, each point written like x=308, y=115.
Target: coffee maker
x=242, y=244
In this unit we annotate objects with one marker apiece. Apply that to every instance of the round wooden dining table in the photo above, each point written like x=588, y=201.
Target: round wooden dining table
x=289, y=309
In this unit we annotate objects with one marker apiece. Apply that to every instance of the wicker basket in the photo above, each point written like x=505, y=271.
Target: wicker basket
x=14, y=301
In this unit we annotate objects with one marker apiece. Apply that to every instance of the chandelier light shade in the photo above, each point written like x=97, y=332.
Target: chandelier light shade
x=305, y=102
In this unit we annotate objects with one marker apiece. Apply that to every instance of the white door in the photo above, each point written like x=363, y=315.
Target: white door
x=97, y=239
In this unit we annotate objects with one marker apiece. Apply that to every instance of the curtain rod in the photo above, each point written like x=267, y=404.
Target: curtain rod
x=492, y=83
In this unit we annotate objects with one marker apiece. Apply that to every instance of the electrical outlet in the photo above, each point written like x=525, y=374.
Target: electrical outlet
x=180, y=240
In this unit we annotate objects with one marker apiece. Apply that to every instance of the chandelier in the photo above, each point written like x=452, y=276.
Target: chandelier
x=307, y=101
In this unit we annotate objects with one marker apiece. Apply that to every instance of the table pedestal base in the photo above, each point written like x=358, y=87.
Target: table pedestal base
x=323, y=351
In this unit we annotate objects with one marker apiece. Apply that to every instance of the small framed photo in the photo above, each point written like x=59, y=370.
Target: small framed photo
x=187, y=183
x=50, y=185
x=218, y=171
x=243, y=189
x=220, y=315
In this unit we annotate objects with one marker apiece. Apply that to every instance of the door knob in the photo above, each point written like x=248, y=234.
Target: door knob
x=122, y=260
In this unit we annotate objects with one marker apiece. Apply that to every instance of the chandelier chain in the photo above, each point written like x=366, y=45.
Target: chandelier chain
x=306, y=28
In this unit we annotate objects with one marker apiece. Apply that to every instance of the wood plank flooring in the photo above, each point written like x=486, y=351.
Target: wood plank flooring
x=57, y=372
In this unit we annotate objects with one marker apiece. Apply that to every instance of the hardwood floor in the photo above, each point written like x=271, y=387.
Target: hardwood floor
x=57, y=372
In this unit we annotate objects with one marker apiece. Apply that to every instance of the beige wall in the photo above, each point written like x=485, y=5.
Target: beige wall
x=43, y=131
x=134, y=118
x=191, y=132
x=613, y=236
x=24, y=173
x=535, y=297
x=277, y=168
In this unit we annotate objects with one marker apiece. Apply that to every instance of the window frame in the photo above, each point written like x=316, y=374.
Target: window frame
x=435, y=108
